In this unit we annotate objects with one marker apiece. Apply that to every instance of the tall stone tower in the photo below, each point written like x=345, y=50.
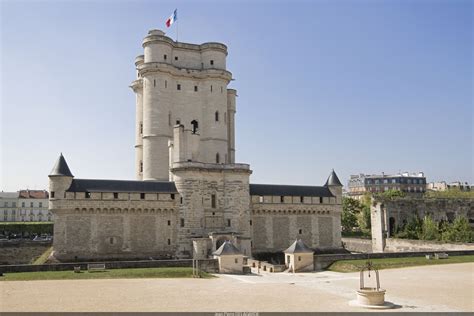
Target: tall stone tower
x=182, y=97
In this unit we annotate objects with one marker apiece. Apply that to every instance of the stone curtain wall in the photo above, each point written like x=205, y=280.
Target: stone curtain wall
x=401, y=210
x=357, y=245
x=408, y=245
x=114, y=234
x=275, y=226
x=21, y=252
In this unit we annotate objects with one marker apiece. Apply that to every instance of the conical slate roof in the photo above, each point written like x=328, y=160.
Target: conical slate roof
x=333, y=180
x=227, y=248
x=299, y=247
x=61, y=168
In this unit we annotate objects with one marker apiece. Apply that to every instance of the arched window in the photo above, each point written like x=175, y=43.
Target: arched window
x=217, y=158
x=217, y=116
x=195, y=126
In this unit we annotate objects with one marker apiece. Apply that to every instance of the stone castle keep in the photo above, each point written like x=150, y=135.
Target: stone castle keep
x=190, y=196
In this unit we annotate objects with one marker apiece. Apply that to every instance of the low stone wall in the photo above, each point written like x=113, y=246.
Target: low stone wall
x=208, y=265
x=357, y=245
x=397, y=244
x=21, y=251
x=323, y=261
x=266, y=266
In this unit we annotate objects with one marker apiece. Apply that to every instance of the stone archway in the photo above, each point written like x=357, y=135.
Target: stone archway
x=219, y=242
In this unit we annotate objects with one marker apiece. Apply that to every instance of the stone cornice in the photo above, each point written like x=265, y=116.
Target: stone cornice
x=155, y=38
x=200, y=166
x=154, y=67
x=137, y=84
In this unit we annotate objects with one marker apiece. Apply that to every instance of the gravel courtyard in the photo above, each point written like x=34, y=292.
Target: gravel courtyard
x=429, y=288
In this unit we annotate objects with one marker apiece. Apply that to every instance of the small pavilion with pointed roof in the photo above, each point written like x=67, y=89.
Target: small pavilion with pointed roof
x=231, y=259
x=299, y=257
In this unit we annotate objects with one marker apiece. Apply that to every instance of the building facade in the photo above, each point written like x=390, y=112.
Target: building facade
x=189, y=196
x=444, y=186
x=361, y=184
x=25, y=206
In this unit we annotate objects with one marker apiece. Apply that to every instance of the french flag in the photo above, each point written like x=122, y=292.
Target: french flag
x=172, y=18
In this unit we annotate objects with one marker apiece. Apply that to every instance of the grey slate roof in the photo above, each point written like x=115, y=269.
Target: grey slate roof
x=299, y=247
x=227, y=248
x=61, y=168
x=289, y=190
x=97, y=185
x=9, y=195
x=333, y=180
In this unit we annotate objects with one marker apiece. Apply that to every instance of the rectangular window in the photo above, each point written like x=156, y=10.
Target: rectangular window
x=236, y=260
x=250, y=222
x=141, y=128
x=228, y=223
x=142, y=196
x=321, y=200
x=178, y=86
x=301, y=199
x=213, y=201
x=40, y=204
x=211, y=87
x=172, y=196
x=300, y=231
x=182, y=222
x=282, y=199
x=175, y=57
x=165, y=57
x=195, y=88
x=181, y=200
x=169, y=223
x=169, y=241
x=154, y=82
x=212, y=62
x=88, y=195
x=115, y=195
x=52, y=196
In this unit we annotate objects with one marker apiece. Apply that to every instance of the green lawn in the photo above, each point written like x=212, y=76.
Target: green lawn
x=108, y=274
x=391, y=263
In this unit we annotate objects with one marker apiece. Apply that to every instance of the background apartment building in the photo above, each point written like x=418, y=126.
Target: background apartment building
x=25, y=206
x=361, y=184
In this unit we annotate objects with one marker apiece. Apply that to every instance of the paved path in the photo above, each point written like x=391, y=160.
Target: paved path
x=429, y=288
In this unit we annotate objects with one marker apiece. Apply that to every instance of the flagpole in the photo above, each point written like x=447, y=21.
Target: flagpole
x=177, y=23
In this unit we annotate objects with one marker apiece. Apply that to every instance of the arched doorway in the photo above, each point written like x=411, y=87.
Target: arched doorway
x=391, y=226
x=219, y=243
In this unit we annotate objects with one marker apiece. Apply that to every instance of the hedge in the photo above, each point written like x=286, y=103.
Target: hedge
x=26, y=228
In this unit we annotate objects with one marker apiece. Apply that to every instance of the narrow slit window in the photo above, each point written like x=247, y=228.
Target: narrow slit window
x=166, y=84
x=216, y=116
x=182, y=222
x=282, y=199
x=178, y=87
x=195, y=88
x=218, y=160
x=165, y=57
x=154, y=82
x=213, y=201
x=321, y=200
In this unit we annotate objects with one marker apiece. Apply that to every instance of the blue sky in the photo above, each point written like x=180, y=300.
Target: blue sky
x=358, y=86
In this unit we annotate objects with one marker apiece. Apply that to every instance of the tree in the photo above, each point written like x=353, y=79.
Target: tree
x=391, y=194
x=429, y=229
x=350, y=209
x=363, y=219
x=458, y=231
